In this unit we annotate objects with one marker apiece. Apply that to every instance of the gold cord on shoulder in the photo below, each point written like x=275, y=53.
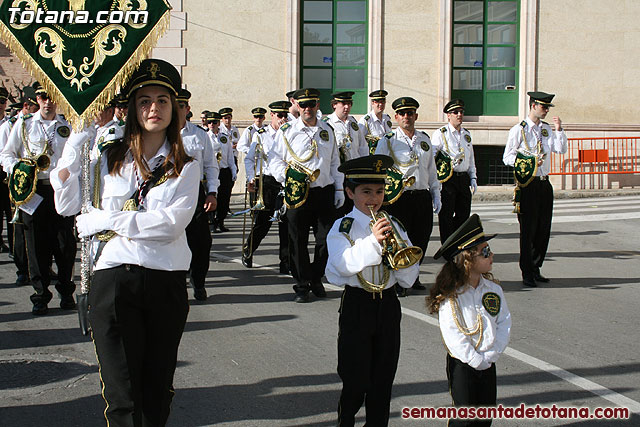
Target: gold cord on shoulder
x=458, y=319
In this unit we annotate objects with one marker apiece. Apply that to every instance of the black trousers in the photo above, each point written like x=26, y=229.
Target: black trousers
x=414, y=209
x=224, y=195
x=469, y=387
x=5, y=210
x=262, y=223
x=137, y=317
x=456, y=204
x=368, y=352
x=536, y=205
x=19, y=247
x=199, y=241
x=319, y=213
x=48, y=234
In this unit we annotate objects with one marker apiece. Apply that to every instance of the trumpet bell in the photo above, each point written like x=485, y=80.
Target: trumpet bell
x=406, y=257
x=43, y=162
x=259, y=206
x=314, y=175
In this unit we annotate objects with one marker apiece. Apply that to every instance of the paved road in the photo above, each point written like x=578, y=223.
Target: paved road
x=251, y=357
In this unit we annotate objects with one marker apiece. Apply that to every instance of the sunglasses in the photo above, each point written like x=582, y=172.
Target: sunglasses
x=213, y=122
x=485, y=252
x=282, y=115
x=258, y=116
x=544, y=107
x=308, y=104
x=406, y=113
x=44, y=96
x=456, y=112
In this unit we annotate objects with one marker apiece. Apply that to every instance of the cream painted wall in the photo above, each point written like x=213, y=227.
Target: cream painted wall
x=235, y=54
x=588, y=56
x=410, y=57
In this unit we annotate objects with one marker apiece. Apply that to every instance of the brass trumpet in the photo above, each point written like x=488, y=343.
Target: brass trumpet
x=396, y=253
x=311, y=175
x=43, y=162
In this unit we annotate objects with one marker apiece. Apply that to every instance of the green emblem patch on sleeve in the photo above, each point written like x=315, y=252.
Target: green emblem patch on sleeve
x=223, y=139
x=324, y=135
x=64, y=131
x=354, y=126
x=544, y=132
x=424, y=145
x=491, y=303
x=285, y=126
x=389, y=123
x=467, y=138
x=345, y=224
x=235, y=134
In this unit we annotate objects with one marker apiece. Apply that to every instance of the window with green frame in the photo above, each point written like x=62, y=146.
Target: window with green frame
x=485, y=53
x=334, y=42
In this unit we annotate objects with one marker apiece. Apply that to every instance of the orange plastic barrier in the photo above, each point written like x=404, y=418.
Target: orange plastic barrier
x=598, y=156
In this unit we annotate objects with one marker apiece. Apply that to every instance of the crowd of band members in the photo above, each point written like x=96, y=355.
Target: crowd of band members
x=292, y=131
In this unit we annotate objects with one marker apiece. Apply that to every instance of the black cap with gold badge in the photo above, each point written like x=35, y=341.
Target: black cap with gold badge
x=542, y=98
x=378, y=95
x=4, y=94
x=226, y=111
x=280, y=106
x=306, y=94
x=453, y=105
x=342, y=96
x=405, y=103
x=259, y=111
x=154, y=72
x=468, y=235
x=183, y=96
x=367, y=169
x=289, y=94
x=213, y=115
x=38, y=88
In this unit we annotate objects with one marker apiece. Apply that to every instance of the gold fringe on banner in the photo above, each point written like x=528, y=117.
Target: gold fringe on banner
x=79, y=121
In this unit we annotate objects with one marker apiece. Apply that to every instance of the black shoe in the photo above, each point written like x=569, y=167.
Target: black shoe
x=222, y=228
x=418, y=286
x=318, y=289
x=200, y=294
x=401, y=292
x=67, y=302
x=247, y=261
x=39, y=309
x=4, y=248
x=284, y=268
x=22, y=280
x=540, y=278
x=529, y=282
x=302, y=296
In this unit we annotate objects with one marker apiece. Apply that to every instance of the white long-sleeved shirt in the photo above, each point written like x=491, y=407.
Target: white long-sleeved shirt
x=198, y=145
x=5, y=129
x=349, y=136
x=152, y=238
x=458, y=142
x=550, y=141
x=299, y=138
x=496, y=328
x=365, y=256
x=401, y=148
x=374, y=126
x=39, y=131
x=227, y=160
x=233, y=134
x=247, y=136
x=266, y=138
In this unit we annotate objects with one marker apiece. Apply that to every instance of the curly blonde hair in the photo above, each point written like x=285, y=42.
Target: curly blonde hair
x=453, y=276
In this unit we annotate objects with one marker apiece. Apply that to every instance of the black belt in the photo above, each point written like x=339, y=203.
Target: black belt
x=361, y=293
x=541, y=178
x=460, y=173
x=414, y=191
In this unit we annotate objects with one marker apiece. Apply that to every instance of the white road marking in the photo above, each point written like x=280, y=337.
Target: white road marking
x=575, y=218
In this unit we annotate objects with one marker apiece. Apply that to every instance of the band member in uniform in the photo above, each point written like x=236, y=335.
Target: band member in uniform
x=306, y=160
x=456, y=167
x=28, y=105
x=4, y=95
x=257, y=163
x=528, y=148
x=474, y=318
x=197, y=145
x=32, y=151
x=5, y=203
x=120, y=112
x=294, y=113
x=412, y=155
x=247, y=136
x=369, y=324
x=228, y=170
x=226, y=127
x=377, y=123
x=349, y=135
x=203, y=119
x=148, y=190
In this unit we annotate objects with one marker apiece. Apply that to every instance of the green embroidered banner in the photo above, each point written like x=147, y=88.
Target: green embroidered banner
x=82, y=51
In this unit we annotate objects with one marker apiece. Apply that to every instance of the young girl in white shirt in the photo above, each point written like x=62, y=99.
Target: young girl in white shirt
x=474, y=318
x=144, y=190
